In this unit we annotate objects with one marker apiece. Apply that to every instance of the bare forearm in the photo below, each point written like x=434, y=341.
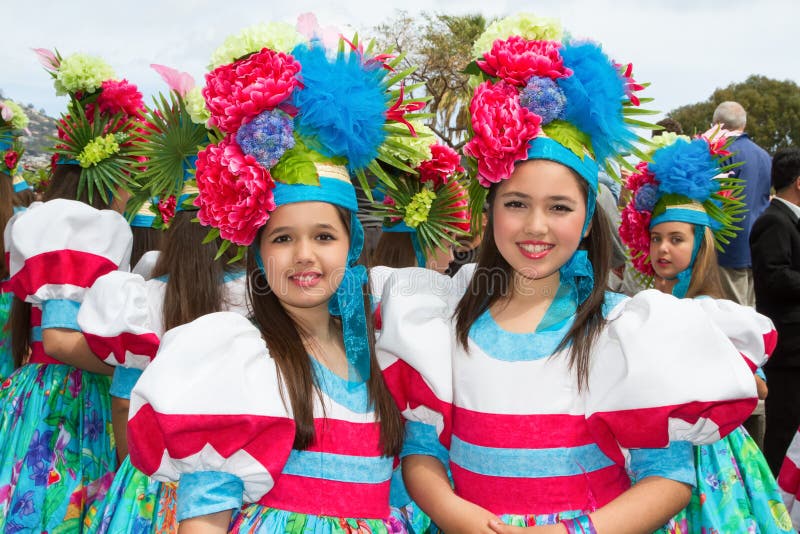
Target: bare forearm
x=427, y=484
x=644, y=508
x=70, y=347
x=119, y=421
x=207, y=524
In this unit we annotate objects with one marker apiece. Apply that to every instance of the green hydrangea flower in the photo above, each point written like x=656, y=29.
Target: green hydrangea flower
x=196, y=106
x=277, y=36
x=421, y=144
x=418, y=209
x=525, y=25
x=81, y=72
x=666, y=139
x=19, y=120
x=97, y=150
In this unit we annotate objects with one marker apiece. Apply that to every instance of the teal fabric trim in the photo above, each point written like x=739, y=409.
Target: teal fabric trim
x=208, y=492
x=123, y=380
x=60, y=313
x=330, y=190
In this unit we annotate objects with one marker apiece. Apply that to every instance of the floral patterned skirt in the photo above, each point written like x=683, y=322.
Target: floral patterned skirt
x=135, y=503
x=255, y=518
x=6, y=361
x=56, y=447
x=735, y=491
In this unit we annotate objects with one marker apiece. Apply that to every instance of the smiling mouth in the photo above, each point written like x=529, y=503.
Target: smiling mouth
x=305, y=279
x=535, y=251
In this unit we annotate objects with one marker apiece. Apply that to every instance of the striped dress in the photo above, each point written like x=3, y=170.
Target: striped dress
x=507, y=418
x=212, y=400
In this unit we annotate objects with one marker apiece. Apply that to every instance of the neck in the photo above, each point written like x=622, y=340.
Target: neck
x=664, y=285
x=534, y=291
x=314, y=322
x=789, y=196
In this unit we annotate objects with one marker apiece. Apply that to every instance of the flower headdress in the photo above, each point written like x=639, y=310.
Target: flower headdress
x=170, y=139
x=13, y=121
x=540, y=96
x=103, y=119
x=292, y=123
x=431, y=204
x=686, y=181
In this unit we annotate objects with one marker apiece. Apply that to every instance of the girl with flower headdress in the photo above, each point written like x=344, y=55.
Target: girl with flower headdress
x=557, y=406
x=55, y=420
x=12, y=122
x=124, y=316
x=282, y=423
x=683, y=203
x=426, y=210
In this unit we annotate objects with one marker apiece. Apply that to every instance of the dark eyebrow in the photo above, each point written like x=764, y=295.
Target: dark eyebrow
x=281, y=229
x=516, y=194
x=562, y=198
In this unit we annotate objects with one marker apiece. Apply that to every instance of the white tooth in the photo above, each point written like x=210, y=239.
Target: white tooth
x=534, y=249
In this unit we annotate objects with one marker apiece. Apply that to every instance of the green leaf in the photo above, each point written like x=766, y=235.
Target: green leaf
x=472, y=69
x=213, y=233
x=296, y=167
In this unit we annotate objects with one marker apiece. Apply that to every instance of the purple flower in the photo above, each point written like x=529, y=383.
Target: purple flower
x=93, y=426
x=24, y=505
x=544, y=97
x=74, y=383
x=39, y=449
x=646, y=197
x=267, y=137
x=40, y=473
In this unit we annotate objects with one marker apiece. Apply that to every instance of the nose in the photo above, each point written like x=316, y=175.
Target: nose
x=303, y=252
x=536, y=223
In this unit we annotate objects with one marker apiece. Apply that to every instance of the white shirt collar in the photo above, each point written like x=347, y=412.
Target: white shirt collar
x=794, y=207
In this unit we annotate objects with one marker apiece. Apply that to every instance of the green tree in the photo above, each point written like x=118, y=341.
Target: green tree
x=773, y=111
x=440, y=47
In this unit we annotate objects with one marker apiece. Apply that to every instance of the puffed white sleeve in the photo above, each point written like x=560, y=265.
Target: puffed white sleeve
x=662, y=371
x=789, y=480
x=208, y=412
x=751, y=333
x=116, y=321
x=57, y=249
x=414, y=352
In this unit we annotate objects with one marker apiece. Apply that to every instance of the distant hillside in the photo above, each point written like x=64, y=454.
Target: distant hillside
x=41, y=127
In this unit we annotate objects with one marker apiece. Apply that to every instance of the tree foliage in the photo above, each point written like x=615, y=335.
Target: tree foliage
x=773, y=111
x=440, y=47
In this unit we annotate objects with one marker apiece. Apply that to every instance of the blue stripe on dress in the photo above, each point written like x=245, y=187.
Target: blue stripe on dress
x=528, y=463
x=339, y=467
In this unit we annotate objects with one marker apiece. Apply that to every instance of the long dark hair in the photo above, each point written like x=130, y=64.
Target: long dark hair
x=493, y=276
x=705, y=271
x=194, y=277
x=284, y=338
x=64, y=184
x=145, y=239
x=394, y=250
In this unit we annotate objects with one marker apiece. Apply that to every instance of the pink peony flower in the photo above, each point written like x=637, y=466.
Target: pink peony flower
x=639, y=178
x=119, y=96
x=237, y=92
x=634, y=230
x=503, y=130
x=11, y=158
x=443, y=163
x=235, y=192
x=166, y=207
x=516, y=59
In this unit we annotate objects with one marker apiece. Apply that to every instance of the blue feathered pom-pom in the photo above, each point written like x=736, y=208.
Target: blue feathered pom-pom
x=341, y=107
x=686, y=168
x=595, y=93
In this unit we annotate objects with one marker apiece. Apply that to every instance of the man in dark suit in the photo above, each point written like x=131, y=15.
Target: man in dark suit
x=775, y=248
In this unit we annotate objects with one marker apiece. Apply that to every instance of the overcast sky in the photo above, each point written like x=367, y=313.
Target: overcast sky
x=686, y=48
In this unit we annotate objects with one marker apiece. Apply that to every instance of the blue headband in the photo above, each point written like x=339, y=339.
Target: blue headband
x=578, y=268
x=700, y=220
x=21, y=185
x=348, y=300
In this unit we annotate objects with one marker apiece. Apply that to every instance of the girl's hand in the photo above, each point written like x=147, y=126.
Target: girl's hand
x=501, y=528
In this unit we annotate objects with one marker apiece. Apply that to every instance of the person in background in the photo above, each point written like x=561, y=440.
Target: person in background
x=735, y=266
x=775, y=249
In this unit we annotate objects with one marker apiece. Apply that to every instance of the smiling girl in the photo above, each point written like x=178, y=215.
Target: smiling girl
x=545, y=395
x=686, y=202
x=283, y=423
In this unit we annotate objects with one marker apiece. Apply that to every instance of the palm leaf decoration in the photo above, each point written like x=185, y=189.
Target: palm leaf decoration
x=113, y=171
x=168, y=141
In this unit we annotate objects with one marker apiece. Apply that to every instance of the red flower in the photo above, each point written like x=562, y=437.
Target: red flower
x=634, y=230
x=166, y=208
x=235, y=192
x=503, y=130
x=640, y=177
x=516, y=59
x=443, y=163
x=11, y=158
x=631, y=87
x=119, y=96
x=462, y=201
x=237, y=92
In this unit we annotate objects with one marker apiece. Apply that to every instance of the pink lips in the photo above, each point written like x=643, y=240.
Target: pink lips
x=308, y=279
x=535, y=250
